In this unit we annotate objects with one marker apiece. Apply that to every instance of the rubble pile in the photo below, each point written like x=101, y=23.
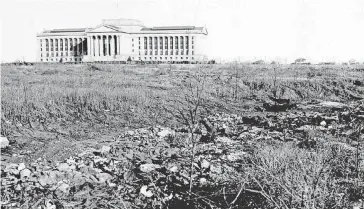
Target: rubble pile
x=151, y=166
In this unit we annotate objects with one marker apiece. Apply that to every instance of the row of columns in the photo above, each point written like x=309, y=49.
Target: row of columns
x=73, y=44
x=150, y=43
x=103, y=45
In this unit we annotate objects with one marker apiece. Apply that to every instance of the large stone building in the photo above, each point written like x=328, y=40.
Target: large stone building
x=119, y=39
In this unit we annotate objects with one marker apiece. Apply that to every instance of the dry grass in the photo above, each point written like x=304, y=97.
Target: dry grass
x=127, y=94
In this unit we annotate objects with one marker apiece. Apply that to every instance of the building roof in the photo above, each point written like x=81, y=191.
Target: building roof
x=125, y=25
x=66, y=30
x=122, y=22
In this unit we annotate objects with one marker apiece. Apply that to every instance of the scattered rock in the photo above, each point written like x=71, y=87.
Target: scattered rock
x=205, y=164
x=63, y=187
x=25, y=173
x=63, y=167
x=105, y=149
x=103, y=177
x=323, y=123
x=144, y=191
x=146, y=168
x=130, y=133
x=203, y=181
x=164, y=133
x=4, y=142
x=21, y=166
x=329, y=104
x=173, y=169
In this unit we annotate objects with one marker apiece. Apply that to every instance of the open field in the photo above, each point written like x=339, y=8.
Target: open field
x=133, y=136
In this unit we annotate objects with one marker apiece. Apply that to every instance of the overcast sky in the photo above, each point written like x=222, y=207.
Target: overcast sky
x=319, y=30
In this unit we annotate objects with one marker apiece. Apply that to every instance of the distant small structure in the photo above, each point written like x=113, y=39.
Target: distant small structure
x=274, y=63
x=327, y=63
x=301, y=61
x=258, y=62
x=353, y=62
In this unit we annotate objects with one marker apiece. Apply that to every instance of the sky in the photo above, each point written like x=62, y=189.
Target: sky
x=244, y=30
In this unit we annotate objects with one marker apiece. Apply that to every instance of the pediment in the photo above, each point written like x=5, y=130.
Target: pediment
x=104, y=29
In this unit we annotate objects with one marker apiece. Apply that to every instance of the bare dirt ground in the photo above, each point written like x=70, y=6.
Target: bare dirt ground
x=181, y=136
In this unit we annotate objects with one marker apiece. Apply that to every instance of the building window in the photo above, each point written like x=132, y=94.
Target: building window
x=132, y=39
x=132, y=50
x=193, y=58
x=56, y=54
x=171, y=52
x=181, y=58
x=61, y=54
x=176, y=52
x=161, y=42
x=160, y=58
x=139, y=40
x=139, y=47
x=132, y=45
x=182, y=52
x=145, y=53
x=56, y=44
x=145, y=42
x=47, y=55
x=193, y=53
x=41, y=49
x=155, y=43
x=41, y=55
x=187, y=52
x=171, y=46
x=165, y=43
x=181, y=38
x=192, y=47
x=41, y=60
x=61, y=44
x=166, y=52
x=161, y=52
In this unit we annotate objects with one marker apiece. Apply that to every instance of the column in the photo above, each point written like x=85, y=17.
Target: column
x=112, y=44
x=63, y=47
x=164, y=53
x=100, y=46
x=107, y=46
x=97, y=46
x=148, y=45
x=184, y=46
x=171, y=48
x=119, y=45
x=81, y=46
x=68, y=47
x=93, y=46
x=189, y=47
x=88, y=45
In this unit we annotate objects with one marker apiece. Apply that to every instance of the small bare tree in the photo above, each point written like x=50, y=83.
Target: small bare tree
x=186, y=105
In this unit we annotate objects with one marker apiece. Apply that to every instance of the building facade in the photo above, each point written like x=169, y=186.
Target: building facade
x=123, y=40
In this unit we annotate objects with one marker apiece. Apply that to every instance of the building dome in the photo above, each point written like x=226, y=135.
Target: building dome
x=123, y=22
